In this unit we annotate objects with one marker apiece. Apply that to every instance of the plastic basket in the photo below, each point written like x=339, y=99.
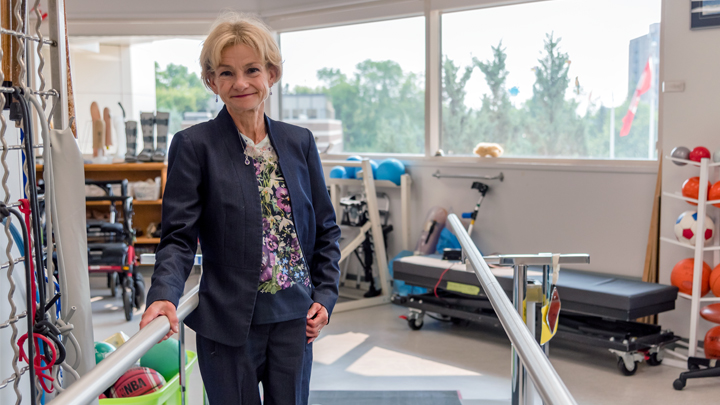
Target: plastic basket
x=168, y=394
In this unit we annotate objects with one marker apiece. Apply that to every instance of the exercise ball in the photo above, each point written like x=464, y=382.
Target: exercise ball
x=163, y=358
x=102, y=350
x=714, y=193
x=390, y=169
x=712, y=343
x=338, y=172
x=691, y=188
x=682, y=277
x=374, y=166
x=715, y=281
x=680, y=152
x=352, y=170
x=698, y=153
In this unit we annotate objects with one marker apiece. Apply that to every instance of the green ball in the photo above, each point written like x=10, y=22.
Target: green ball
x=163, y=358
x=102, y=350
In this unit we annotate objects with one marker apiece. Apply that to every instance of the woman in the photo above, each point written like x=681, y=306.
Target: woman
x=252, y=190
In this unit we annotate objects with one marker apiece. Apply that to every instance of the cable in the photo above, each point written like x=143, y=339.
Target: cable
x=440, y=280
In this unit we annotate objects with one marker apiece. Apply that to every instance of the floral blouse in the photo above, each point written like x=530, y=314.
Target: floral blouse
x=283, y=264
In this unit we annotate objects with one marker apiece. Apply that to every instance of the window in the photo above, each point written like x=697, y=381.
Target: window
x=552, y=79
x=360, y=87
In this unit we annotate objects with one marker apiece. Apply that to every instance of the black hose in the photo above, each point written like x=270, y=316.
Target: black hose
x=34, y=206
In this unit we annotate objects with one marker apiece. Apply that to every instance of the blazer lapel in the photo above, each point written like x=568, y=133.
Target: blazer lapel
x=278, y=139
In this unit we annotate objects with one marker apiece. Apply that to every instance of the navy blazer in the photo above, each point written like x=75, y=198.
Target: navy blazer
x=211, y=194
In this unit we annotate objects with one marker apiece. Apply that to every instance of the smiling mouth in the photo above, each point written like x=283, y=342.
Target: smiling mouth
x=243, y=95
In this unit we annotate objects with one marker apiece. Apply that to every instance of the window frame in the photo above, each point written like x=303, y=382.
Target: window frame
x=433, y=10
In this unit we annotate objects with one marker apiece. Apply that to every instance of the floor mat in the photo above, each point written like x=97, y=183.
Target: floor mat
x=384, y=398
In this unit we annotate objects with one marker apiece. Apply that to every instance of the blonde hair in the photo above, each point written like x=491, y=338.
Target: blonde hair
x=232, y=29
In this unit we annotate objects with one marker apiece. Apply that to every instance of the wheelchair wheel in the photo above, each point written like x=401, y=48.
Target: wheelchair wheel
x=139, y=290
x=128, y=293
x=113, y=283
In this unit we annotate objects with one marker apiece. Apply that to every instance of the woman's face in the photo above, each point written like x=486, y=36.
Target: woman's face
x=242, y=80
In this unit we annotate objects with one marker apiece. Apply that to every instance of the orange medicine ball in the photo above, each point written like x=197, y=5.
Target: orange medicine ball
x=714, y=193
x=715, y=281
x=682, y=277
x=691, y=188
x=712, y=343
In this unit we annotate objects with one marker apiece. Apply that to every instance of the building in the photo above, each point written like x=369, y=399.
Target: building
x=641, y=49
x=316, y=113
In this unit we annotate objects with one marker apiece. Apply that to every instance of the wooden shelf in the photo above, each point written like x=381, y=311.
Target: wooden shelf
x=135, y=203
x=115, y=167
x=150, y=241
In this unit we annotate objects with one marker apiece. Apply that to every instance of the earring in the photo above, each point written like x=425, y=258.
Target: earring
x=271, y=92
x=216, y=100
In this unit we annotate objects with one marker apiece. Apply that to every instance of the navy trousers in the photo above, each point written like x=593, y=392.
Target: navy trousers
x=276, y=355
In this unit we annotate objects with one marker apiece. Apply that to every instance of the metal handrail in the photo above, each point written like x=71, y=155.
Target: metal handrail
x=92, y=384
x=546, y=380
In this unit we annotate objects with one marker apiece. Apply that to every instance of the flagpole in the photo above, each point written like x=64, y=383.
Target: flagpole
x=651, y=135
x=612, y=127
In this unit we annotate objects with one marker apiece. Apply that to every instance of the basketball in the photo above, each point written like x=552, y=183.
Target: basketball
x=691, y=188
x=712, y=343
x=714, y=193
x=715, y=281
x=163, y=357
x=137, y=381
x=682, y=277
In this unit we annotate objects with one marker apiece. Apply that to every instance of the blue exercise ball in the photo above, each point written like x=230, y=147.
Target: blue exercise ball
x=338, y=172
x=374, y=166
x=390, y=169
x=352, y=170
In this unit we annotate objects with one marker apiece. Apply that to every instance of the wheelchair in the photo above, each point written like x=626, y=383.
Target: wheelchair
x=111, y=246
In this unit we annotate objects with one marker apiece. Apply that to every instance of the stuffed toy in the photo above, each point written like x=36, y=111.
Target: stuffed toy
x=484, y=149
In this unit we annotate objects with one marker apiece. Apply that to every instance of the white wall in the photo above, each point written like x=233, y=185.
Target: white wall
x=115, y=73
x=689, y=119
x=540, y=208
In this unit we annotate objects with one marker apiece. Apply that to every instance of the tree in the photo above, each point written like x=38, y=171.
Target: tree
x=381, y=107
x=552, y=126
x=497, y=114
x=178, y=91
x=457, y=119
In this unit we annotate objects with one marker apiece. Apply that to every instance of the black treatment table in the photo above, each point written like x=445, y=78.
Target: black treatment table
x=597, y=309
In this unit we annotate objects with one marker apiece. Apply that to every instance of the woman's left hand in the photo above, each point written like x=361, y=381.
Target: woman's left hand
x=317, y=318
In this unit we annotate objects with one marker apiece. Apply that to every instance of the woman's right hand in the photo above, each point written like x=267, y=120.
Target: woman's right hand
x=161, y=308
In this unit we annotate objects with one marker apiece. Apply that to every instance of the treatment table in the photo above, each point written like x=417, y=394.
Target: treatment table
x=597, y=309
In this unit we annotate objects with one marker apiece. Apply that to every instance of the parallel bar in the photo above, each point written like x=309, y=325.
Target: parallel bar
x=549, y=385
x=438, y=175
x=112, y=367
x=540, y=259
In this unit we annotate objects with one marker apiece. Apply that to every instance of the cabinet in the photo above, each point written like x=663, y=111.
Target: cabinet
x=145, y=212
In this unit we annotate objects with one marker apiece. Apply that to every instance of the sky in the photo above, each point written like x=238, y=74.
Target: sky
x=595, y=34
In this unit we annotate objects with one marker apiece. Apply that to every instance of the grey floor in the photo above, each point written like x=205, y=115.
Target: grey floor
x=373, y=349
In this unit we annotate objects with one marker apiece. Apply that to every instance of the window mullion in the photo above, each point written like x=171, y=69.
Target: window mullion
x=433, y=56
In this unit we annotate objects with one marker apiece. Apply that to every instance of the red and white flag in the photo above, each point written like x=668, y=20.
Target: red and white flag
x=642, y=87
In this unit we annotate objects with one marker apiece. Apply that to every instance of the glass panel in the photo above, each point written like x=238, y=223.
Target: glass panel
x=555, y=79
x=364, y=81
